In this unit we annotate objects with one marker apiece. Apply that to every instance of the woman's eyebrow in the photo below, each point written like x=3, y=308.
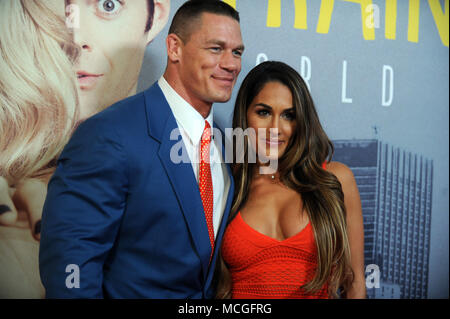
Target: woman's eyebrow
x=264, y=105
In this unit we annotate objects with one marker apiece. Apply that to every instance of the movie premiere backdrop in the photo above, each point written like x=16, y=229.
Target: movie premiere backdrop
x=377, y=69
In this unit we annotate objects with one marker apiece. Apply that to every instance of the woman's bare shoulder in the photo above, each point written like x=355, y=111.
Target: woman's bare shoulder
x=342, y=172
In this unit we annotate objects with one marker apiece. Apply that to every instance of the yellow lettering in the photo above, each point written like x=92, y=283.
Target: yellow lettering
x=274, y=14
x=413, y=20
x=231, y=3
x=366, y=15
x=326, y=11
x=441, y=19
x=300, y=15
x=391, y=19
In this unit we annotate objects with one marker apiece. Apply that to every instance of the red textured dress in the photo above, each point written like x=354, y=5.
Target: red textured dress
x=264, y=267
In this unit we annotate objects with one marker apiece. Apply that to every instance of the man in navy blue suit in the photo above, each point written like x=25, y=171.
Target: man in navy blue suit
x=123, y=217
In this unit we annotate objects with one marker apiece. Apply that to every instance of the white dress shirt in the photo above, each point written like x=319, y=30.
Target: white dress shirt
x=191, y=125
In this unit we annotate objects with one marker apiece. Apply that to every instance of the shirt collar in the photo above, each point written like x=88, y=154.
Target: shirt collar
x=191, y=121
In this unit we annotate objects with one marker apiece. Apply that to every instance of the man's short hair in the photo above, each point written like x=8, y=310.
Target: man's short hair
x=187, y=16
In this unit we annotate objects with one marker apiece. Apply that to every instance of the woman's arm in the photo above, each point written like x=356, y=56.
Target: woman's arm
x=355, y=227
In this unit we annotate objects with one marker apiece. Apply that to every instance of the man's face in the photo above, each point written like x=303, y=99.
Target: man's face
x=112, y=38
x=210, y=60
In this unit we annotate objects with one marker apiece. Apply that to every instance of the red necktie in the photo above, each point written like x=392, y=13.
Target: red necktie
x=205, y=182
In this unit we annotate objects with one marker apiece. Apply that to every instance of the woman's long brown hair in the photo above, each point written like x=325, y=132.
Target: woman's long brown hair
x=300, y=169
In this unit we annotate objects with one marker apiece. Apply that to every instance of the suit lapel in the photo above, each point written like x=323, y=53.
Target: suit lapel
x=186, y=189
x=162, y=124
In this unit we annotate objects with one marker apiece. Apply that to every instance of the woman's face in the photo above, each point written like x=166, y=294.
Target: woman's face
x=271, y=115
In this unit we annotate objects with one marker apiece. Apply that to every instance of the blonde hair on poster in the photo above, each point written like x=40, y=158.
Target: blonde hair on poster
x=38, y=95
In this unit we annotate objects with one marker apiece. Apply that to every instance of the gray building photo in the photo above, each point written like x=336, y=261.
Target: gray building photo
x=396, y=190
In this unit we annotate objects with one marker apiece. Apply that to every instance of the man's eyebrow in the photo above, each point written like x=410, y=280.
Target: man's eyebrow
x=223, y=43
x=215, y=41
x=240, y=48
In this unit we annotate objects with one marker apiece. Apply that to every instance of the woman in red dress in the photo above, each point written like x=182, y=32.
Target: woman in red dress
x=296, y=227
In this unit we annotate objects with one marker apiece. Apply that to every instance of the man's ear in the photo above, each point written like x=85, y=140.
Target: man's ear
x=174, y=47
x=160, y=17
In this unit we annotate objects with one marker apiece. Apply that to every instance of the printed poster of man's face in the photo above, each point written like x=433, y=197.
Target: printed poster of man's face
x=65, y=60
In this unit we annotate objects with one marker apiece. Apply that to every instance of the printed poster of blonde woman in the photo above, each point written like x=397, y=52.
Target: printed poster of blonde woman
x=61, y=62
